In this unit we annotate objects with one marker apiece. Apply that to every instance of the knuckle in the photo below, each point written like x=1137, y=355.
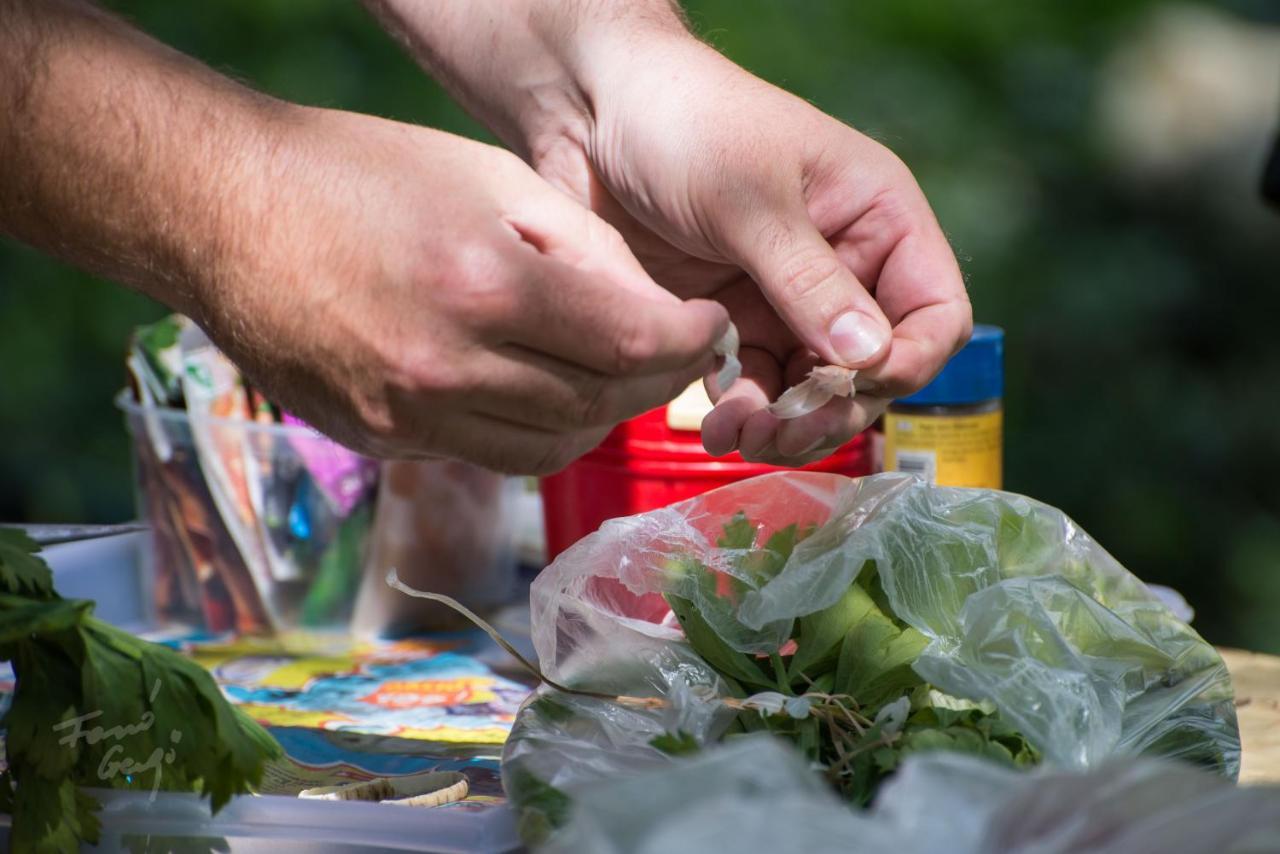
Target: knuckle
x=554, y=456
x=918, y=376
x=421, y=374
x=475, y=284
x=635, y=346
x=896, y=167
x=964, y=331
x=806, y=274
x=387, y=434
x=380, y=428
x=596, y=403
x=418, y=390
x=605, y=235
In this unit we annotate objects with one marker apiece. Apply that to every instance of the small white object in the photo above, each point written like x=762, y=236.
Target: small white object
x=766, y=702
x=727, y=349
x=799, y=707
x=823, y=383
x=428, y=789
x=893, y=715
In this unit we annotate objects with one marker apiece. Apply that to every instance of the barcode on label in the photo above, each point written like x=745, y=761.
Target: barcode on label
x=921, y=463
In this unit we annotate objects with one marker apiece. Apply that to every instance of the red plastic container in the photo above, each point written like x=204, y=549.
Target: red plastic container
x=644, y=464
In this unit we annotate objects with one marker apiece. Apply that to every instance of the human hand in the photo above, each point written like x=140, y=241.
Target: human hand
x=408, y=292
x=413, y=293
x=816, y=238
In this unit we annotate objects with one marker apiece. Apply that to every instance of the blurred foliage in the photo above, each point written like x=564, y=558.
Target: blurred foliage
x=1142, y=352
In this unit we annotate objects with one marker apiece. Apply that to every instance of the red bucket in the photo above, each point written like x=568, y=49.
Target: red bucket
x=645, y=464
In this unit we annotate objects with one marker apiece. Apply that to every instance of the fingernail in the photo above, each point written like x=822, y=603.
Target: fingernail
x=856, y=337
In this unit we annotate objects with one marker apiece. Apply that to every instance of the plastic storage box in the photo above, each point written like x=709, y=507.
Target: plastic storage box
x=257, y=528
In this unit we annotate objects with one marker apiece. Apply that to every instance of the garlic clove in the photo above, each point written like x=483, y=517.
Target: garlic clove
x=823, y=383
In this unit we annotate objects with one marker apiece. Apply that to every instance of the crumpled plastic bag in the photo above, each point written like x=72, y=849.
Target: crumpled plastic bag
x=1022, y=609
x=754, y=794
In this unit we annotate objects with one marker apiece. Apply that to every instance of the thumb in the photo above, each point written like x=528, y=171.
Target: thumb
x=815, y=294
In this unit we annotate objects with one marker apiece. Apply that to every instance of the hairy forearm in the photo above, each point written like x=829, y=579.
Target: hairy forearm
x=525, y=67
x=124, y=157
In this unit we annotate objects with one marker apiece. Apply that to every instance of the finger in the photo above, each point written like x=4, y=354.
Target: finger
x=817, y=296
x=797, y=441
x=830, y=425
x=760, y=382
x=526, y=387
x=758, y=446
x=757, y=436
x=922, y=344
x=827, y=428
x=593, y=323
x=923, y=295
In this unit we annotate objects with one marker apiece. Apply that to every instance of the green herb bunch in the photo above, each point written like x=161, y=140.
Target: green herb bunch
x=843, y=689
x=95, y=707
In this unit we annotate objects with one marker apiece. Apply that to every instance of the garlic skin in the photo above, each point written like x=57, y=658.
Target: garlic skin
x=727, y=349
x=823, y=383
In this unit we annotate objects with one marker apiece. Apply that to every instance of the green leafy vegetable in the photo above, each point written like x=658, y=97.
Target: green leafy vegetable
x=704, y=640
x=675, y=743
x=96, y=707
x=764, y=564
x=876, y=657
x=543, y=807
x=822, y=633
x=21, y=572
x=849, y=699
x=739, y=533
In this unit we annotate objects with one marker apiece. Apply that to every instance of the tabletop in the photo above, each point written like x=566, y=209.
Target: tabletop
x=1257, y=683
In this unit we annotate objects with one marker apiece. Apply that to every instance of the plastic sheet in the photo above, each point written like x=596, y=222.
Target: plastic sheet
x=1022, y=610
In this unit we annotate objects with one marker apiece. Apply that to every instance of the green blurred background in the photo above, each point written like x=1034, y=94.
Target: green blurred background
x=1095, y=164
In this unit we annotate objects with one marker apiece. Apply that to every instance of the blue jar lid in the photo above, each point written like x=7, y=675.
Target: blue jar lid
x=973, y=375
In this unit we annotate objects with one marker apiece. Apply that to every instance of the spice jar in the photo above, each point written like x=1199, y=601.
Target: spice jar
x=951, y=432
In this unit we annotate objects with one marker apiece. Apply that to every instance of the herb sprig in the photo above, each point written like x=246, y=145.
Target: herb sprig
x=96, y=707
x=845, y=692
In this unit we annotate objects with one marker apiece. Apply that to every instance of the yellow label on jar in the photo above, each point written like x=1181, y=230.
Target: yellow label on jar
x=949, y=450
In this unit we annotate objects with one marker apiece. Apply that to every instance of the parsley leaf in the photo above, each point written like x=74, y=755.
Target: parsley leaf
x=21, y=571
x=96, y=707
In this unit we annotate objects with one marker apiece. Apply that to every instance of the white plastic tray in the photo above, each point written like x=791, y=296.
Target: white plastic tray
x=131, y=821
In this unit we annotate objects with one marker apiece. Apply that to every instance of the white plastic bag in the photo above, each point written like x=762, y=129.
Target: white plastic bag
x=755, y=795
x=1022, y=610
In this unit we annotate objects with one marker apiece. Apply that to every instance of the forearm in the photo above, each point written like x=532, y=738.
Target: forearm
x=526, y=68
x=124, y=157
